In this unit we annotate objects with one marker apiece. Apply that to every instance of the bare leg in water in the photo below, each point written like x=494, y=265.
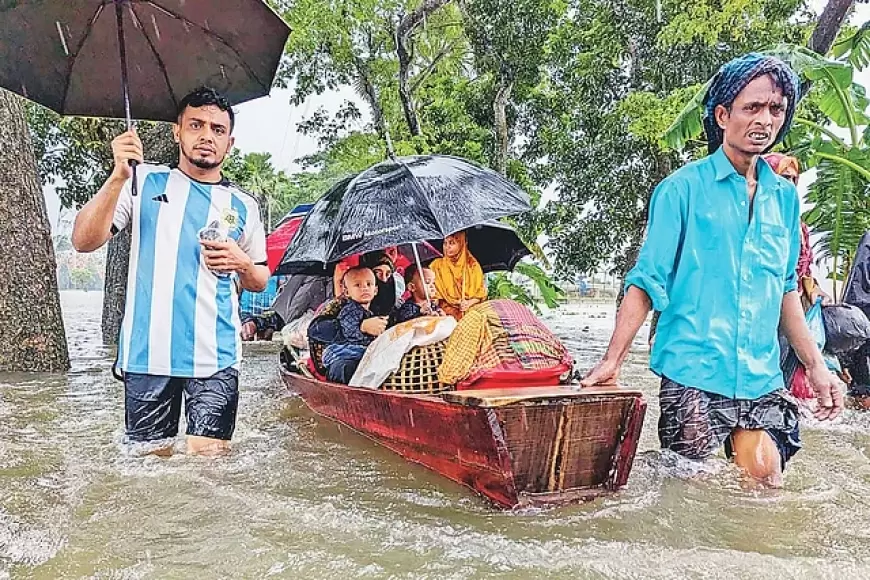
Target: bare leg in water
x=756, y=453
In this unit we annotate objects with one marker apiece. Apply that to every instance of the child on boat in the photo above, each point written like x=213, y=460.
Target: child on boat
x=418, y=282
x=358, y=327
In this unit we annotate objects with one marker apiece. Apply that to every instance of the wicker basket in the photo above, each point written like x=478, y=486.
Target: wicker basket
x=418, y=372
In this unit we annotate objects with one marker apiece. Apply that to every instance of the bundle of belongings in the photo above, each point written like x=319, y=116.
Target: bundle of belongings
x=503, y=342
x=849, y=330
x=499, y=343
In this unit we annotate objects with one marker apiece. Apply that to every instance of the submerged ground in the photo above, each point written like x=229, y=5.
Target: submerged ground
x=302, y=498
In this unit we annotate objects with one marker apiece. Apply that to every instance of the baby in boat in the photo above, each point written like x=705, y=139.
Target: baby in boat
x=418, y=282
x=358, y=327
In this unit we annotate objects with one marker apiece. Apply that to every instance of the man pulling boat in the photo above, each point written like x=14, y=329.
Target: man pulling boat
x=719, y=263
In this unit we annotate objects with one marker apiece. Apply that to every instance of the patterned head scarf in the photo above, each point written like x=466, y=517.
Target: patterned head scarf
x=733, y=78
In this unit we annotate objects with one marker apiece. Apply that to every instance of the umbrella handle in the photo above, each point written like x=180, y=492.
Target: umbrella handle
x=420, y=272
x=134, y=189
x=125, y=84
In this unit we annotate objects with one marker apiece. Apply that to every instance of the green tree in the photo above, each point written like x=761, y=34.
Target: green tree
x=617, y=69
x=503, y=285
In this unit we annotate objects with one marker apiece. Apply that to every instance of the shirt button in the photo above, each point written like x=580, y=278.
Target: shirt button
x=746, y=277
x=742, y=203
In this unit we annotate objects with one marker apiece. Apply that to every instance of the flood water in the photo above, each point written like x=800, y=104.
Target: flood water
x=301, y=498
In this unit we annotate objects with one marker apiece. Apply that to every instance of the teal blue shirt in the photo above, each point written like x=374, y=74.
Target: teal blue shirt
x=717, y=268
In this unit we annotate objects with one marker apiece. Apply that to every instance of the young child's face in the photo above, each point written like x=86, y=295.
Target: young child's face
x=452, y=246
x=416, y=287
x=360, y=286
x=383, y=272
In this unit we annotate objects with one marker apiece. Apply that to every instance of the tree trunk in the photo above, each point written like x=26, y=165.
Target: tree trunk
x=115, y=286
x=829, y=24
x=404, y=90
x=502, y=140
x=32, y=335
x=404, y=31
x=371, y=96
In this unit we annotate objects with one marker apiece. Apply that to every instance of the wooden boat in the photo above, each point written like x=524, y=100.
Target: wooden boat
x=519, y=447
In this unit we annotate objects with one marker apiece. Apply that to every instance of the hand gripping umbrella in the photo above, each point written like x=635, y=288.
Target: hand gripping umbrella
x=62, y=53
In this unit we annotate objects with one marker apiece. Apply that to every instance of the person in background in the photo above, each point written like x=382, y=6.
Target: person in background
x=419, y=283
x=391, y=285
x=788, y=167
x=458, y=277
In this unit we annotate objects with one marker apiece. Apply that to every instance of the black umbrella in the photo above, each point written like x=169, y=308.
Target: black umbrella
x=495, y=245
x=400, y=201
x=137, y=58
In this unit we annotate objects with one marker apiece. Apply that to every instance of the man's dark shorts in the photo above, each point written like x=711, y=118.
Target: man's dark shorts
x=695, y=423
x=153, y=405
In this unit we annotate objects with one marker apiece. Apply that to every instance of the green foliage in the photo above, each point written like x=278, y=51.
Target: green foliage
x=85, y=279
x=277, y=192
x=74, y=153
x=503, y=285
x=618, y=75
x=856, y=46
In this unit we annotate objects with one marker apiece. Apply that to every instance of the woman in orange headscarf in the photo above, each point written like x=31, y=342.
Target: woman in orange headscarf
x=458, y=277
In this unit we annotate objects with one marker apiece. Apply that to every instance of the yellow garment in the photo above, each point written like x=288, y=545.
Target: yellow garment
x=472, y=338
x=459, y=278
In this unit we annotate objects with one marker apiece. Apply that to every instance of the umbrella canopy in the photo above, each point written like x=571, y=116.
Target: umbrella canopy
x=400, y=201
x=64, y=54
x=279, y=239
x=496, y=246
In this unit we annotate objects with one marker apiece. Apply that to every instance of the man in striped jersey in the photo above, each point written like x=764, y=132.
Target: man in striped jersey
x=181, y=324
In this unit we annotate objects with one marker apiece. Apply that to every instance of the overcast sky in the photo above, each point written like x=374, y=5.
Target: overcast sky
x=269, y=124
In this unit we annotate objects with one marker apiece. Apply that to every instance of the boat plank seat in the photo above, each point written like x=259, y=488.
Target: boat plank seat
x=489, y=398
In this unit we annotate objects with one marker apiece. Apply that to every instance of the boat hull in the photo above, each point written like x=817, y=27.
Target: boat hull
x=533, y=446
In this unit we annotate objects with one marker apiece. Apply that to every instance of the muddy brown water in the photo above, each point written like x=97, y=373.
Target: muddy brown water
x=301, y=498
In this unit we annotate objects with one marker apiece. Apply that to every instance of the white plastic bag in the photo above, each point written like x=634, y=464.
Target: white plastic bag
x=384, y=355
x=295, y=334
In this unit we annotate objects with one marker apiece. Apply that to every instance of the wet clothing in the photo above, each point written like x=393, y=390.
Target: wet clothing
x=718, y=273
x=152, y=405
x=341, y=361
x=695, y=423
x=857, y=293
x=181, y=319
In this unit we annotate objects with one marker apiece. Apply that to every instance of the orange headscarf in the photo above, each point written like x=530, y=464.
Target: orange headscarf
x=779, y=163
x=459, y=278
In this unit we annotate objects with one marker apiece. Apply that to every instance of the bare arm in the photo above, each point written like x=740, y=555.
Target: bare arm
x=93, y=225
x=828, y=388
x=793, y=325
x=635, y=307
x=254, y=278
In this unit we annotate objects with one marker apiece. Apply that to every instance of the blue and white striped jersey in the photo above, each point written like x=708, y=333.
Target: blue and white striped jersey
x=181, y=319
